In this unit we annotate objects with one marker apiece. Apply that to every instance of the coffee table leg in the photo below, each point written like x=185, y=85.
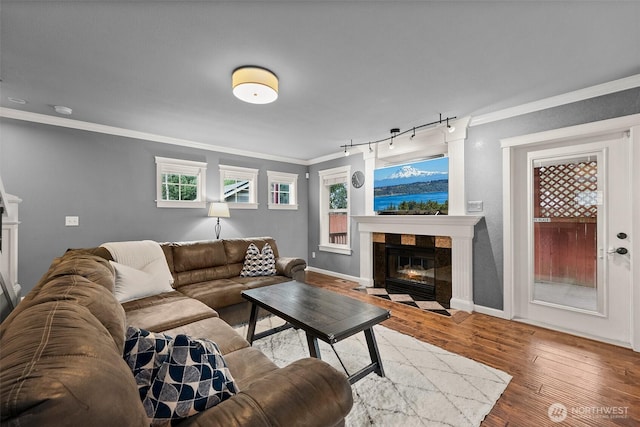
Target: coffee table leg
x=314, y=350
x=373, y=351
x=251, y=328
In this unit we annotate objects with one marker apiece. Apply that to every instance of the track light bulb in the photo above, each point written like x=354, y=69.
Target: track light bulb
x=346, y=152
x=449, y=127
x=391, y=145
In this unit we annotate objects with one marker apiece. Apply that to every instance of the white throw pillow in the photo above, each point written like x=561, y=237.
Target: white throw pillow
x=133, y=284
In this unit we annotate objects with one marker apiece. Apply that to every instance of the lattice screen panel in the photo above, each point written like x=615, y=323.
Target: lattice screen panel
x=569, y=190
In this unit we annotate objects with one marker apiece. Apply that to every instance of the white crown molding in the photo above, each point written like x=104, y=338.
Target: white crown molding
x=326, y=158
x=558, y=100
x=543, y=104
x=11, y=113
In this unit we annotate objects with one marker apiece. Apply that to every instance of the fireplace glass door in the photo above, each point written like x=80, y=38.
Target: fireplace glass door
x=411, y=269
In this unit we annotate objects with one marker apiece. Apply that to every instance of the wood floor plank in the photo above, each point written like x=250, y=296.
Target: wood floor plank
x=547, y=366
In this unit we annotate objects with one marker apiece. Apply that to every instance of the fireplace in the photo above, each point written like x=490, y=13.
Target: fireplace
x=458, y=231
x=411, y=270
x=414, y=264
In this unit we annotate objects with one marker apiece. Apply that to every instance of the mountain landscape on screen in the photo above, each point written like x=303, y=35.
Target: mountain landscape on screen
x=419, y=188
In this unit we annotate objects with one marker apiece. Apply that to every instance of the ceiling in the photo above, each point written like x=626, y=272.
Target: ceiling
x=348, y=70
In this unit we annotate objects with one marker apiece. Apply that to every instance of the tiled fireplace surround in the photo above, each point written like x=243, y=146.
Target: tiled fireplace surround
x=459, y=228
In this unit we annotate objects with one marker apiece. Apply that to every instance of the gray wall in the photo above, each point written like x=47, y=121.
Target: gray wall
x=345, y=264
x=109, y=182
x=483, y=176
x=483, y=179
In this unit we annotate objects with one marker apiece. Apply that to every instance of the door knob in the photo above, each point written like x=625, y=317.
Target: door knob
x=621, y=236
x=620, y=251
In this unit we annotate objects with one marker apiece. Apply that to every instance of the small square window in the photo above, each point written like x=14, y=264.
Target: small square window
x=282, y=190
x=238, y=187
x=181, y=183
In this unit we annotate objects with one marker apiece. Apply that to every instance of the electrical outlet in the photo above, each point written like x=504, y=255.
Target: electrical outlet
x=313, y=254
x=71, y=221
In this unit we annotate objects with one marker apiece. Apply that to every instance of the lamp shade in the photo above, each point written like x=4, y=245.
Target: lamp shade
x=219, y=209
x=254, y=85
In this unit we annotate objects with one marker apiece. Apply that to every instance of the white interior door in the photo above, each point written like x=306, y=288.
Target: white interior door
x=572, y=226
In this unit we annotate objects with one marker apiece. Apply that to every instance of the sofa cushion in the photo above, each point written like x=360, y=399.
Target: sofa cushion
x=214, y=329
x=192, y=378
x=132, y=283
x=248, y=365
x=165, y=311
x=259, y=263
x=236, y=249
x=260, y=281
x=198, y=255
x=60, y=365
x=215, y=293
x=82, y=292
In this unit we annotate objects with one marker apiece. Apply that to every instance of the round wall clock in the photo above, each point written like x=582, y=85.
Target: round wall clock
x=357, y=179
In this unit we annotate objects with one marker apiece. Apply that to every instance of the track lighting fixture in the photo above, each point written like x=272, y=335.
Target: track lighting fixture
x=395, y=132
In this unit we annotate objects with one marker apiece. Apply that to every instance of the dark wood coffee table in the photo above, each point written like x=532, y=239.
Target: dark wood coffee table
x=322, y=314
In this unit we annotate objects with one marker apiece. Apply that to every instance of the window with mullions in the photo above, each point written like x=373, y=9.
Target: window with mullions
x=282, y=190
x=179, y=187
x=180, y=183
x=334, y=210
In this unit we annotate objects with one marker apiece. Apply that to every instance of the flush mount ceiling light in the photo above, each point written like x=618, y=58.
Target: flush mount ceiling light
x=255, y=85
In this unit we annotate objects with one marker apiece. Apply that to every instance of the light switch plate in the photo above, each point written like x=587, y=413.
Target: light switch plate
x=474, y=206
x=71, y=221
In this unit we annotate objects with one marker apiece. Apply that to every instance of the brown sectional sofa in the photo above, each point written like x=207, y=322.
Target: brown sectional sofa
x=61, y=349
x=209, y=271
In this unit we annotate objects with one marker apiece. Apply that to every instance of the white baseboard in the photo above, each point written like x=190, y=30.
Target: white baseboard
x=459, y=304
x=490, y=311
x=335, y=274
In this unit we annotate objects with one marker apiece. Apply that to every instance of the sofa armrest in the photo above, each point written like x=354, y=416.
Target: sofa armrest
x=291, y=267
x=307, y=392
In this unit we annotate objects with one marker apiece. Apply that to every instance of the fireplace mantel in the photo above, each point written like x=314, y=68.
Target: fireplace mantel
x=460, y=228
x=428, y=225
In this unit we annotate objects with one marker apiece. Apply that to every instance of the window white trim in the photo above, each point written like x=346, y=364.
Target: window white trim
x=329, y=177
x=185, y=167
x=290, y=179
x=240, y=173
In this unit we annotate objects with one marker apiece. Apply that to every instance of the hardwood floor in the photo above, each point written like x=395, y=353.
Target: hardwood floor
x=547, y=366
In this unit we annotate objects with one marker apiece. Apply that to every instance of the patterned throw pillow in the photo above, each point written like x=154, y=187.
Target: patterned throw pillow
x=194, y=378
x=145, y=352
x=176, y=377
x=258, y=263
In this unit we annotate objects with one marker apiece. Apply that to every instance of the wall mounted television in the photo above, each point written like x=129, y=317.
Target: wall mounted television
x=415, y=188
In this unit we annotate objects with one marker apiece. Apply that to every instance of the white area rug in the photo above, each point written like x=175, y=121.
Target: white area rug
x=424, y=384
